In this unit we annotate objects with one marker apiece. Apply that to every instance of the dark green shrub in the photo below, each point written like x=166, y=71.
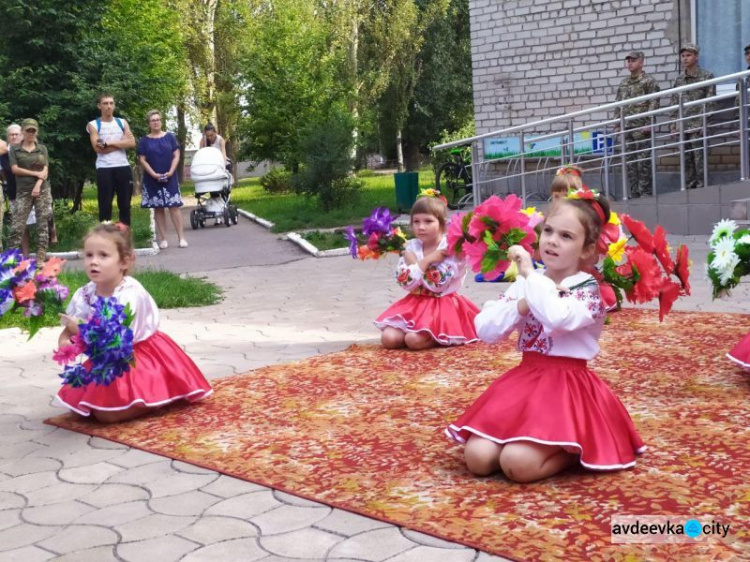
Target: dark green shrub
x=328, y=158
x=278, y=180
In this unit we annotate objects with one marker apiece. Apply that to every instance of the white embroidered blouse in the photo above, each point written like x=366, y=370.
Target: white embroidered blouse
x=129, y=291
x=563, y=325
x=441, y=279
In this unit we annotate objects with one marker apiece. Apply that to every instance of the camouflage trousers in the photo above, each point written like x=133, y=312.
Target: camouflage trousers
x=639, y=164
x=693, y=160
x=43, y=209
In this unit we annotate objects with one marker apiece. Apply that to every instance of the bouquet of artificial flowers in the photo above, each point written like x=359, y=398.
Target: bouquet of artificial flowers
x=729, y=258
x=485, y=234
x=380, y=237
x=107, y=342
x=643, y=272
x=25, y=288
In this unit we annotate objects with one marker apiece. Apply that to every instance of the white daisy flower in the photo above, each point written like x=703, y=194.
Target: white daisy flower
x=722, y=229
x=726, y=274
x=723, y=253
x=744, y=239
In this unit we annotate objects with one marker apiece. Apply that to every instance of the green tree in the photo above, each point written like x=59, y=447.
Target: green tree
x=56, y=56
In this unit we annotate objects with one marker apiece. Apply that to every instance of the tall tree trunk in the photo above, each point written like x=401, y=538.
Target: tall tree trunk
x=209, y=101
x=400, y=150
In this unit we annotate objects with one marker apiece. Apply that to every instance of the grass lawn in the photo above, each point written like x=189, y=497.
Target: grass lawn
x=71, y=228
x=290, y=211
x=326, y=240
x=168, y=289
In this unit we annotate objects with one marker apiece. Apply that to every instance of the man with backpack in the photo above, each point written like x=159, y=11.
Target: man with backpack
x=110, y=138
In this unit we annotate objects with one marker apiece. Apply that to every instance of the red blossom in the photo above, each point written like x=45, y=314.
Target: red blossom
x=455, y=232
x=662, y=250
x=650, y=282
x=682, y=268
x=639, y=231
x=669, y=292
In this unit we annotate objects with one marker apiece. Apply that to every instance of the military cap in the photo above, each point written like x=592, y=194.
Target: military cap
x=689, y=47
x=29, y=124
x=635, y=55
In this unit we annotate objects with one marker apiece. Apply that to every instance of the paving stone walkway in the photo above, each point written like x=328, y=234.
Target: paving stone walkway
x=70, y=497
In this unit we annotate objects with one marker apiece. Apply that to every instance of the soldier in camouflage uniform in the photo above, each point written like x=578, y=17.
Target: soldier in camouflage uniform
x=693, y=127
x=30, y=163
x=638, y=131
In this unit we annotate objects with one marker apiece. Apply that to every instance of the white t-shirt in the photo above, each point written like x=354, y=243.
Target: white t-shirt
x=110, y=131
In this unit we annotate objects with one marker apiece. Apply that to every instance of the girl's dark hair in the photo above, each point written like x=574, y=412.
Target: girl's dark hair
x=431, y=206
x=209, y=127
x=588, y=215
x=120, y=235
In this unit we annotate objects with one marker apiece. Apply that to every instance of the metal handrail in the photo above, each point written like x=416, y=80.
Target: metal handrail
x=605, y=107
x=621, y=153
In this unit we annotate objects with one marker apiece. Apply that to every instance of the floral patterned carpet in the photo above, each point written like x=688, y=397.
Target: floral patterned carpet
x=362, y=430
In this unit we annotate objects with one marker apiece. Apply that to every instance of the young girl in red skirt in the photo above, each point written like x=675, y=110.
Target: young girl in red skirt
x=162, y=372
x=551, y=411
x=433, y=313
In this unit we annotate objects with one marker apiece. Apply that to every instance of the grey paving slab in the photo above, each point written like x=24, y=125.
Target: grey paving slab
x=11, y=500
x=75, y=538
x=89, y=474
x=26, y=554
x=114, y=515
x=374, y=546
x=164, y=549
x=227, y=487
x=156, y=525
x=423, y=553
x=97, y=554
x=132, y=458
x=58, y=493
x=303, y=543
x=23, y=535
x=29, y=482
x=10, y=518
x=348, y=524
x=209, y=530
x=289, y=518
x=188, y=503
x=245, y=506
x=30, y=466
x=239, y=550
x=115, y=494
x=59, y=513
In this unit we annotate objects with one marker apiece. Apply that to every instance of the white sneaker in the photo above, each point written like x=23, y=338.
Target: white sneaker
x=183, y=243
x=163, y=244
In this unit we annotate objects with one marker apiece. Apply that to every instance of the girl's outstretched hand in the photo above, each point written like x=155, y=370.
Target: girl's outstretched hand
x=522, y=258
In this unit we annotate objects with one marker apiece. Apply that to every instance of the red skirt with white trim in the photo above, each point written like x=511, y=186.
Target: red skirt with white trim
x=554, y=401
x=162, y=374
x=740, y=353
x=449, y=319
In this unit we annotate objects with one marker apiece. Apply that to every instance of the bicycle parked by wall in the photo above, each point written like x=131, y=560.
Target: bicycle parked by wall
x=453, y=179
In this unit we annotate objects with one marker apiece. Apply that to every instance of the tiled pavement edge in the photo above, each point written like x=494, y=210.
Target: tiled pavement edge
x=66, y=496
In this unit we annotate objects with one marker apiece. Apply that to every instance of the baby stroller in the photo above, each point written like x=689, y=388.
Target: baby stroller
x=213, y=184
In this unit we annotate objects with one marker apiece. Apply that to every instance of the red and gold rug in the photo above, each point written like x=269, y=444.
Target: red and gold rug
x=362, y=430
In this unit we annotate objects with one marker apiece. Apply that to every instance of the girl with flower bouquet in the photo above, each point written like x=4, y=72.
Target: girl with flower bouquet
x=551, y=411
x=728, y=261
x=161, y=371
x=433, y=313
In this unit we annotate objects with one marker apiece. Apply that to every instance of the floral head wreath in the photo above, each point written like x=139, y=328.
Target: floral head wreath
x=431, y=192
x=569, y=170
x=610, y=229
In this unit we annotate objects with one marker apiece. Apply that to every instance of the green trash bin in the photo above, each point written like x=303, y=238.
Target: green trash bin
x=407, y=189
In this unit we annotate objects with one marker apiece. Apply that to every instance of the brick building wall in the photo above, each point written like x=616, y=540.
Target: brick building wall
x=534, y=59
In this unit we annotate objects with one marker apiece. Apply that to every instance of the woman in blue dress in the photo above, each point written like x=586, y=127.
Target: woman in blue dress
x=159, y=155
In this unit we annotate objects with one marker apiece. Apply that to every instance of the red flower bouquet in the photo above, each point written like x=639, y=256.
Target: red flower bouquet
x=647, y=268
x=485, y=234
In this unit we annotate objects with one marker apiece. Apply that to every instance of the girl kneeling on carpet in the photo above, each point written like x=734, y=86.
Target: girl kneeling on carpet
x=551, y=411
x=433, y=313
x=162, y=372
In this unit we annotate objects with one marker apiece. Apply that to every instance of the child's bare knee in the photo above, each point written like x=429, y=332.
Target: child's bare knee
x=392, y=338
x=518, y=465
x=418, y=340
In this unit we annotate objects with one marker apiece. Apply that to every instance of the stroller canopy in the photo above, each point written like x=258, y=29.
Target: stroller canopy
x=208, y=170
